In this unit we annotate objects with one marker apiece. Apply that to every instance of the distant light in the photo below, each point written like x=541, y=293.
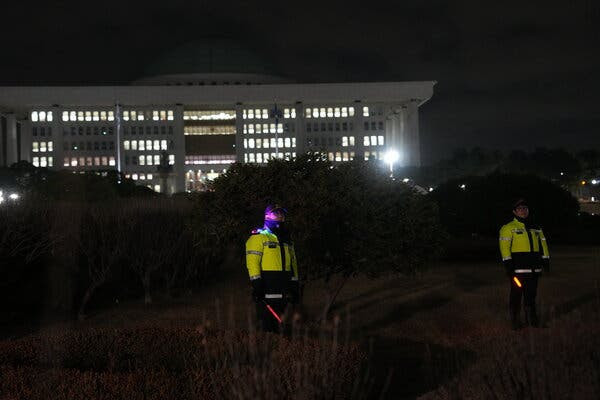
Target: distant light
x=431, y=189
x=13, y=196
x=405, y=180
x=594, y=182
x=562, y=173
x=593, y=198
x=463, y=186
x=583, y=182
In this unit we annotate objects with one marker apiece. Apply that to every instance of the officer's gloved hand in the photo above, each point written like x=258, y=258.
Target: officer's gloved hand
x=258, y=290
x=546, y=264
x=294, y=292
x=509, y=268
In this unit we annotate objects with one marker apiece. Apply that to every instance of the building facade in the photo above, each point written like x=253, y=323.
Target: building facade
x=177, y=131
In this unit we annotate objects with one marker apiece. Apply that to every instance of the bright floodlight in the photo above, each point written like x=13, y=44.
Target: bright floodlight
x=13, y=196
x=594, y=182
x=405, y=180
x=391, y=157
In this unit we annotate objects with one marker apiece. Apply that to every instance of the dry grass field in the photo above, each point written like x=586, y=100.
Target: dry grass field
x=443, y=334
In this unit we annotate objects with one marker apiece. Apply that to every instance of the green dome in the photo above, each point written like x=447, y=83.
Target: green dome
x=210, y=57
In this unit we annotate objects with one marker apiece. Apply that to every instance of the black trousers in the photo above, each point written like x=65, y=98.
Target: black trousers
x=527, y=292
x=266, y=320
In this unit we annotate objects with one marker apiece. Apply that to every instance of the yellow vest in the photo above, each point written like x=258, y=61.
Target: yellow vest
x=264, y=254
x=524, y=246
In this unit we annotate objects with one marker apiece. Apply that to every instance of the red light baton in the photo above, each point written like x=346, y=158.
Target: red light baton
x=272, y=311
x=517, y=281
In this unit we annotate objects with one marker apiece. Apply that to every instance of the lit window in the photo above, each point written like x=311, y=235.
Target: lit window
x=111, y=115
x=330, y=156
x=345, y=156
x=125, y=115
x=259, y=158
x=155, y=116
x=330, y=112
x=365, y=111
x=344, y=112
x=246, y=143
x=294, y=142
x=245, y=128
x=351, y=111
x=250, y=114
x=80, y=116
x=251, y=157
x=134, y=177
x=126, y=145
x=251, y=128
x=65, y=116
x=104, y=160
x=88, y=161
x=88, y=116
x=171, y=159
x=163, y=144
x=280, y=142
x=351, y=140
x=111, y=161
x=366, y=141
x=142, y=160
x=156, y=145
x=367, y=155
x=50, y=146
x=148, y=159
x=156, y=159
x=34, y=116
x=95, y=116
x=134, y=145
x=373, y=140
x=315, y=112
x=73, y=161
x=51, y=161
x=142, y=177
x=35, y=147
x=245, y=157
x=66, y=162
x=140, y=116
x=170, y=115
x=244, y=116
x=265, y=143
x=344, y=141
x=96, y=161
x=258, y=128
x=148, y=145
x=102, y=115
x=149, y=176
x=141, y=145
x=322, y=112
x=287, y=142
x=380, y=140
x=279, y=128
x=273, y=143
x=43, y=147
x=265, y=113
x=42, y=116
x=157, y=188
x=163, y=115
x=272, y=128
x=49, y=116
x=336, y=112
x=307, y=113
x=36, y=161
x=251, y=143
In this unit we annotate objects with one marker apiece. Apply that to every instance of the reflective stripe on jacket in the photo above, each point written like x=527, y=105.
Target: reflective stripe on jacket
x=526, y=247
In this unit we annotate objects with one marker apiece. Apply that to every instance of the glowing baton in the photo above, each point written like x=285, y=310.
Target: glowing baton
x=272, y=312
x=517, y=281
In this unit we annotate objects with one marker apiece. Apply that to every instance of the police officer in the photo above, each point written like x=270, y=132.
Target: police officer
x=272, y=267
x=524, y=252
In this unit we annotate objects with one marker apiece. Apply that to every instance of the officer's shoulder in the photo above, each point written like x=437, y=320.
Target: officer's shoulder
x=257, y=231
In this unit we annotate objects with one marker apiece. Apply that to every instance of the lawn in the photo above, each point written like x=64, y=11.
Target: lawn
x=442, y=334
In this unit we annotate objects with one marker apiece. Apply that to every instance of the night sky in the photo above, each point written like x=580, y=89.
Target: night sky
x=510, y=74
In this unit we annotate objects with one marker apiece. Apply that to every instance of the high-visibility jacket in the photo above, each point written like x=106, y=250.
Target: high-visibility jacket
x=526, y=247
x=271, y=260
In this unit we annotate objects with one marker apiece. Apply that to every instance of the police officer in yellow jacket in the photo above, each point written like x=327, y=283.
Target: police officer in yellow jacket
x=524, y=252
x=272, y=267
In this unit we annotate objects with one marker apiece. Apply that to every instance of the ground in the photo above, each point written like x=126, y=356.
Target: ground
x=420, y=331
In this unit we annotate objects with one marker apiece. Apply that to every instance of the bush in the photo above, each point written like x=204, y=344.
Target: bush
x=183, y=364
x=485, y=204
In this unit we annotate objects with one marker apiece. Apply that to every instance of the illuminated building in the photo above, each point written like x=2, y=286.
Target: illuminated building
x=202, y=108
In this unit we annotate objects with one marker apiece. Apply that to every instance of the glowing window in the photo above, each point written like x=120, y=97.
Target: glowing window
x=251, y=157
x=50, y=146
x=163, y=115
x=272, y=128
x=134, y=145
x=34, y=116
x=345, y=156
x=273, y=143
x=244, y=115
x=170, y=115
x=294, y=142
x=330, y=112
x=251, y=128
x=280, y=142
x=265, y=143
x=163, y=144
x=250, y=114
x=88, y=161
x=322, y=112
x=65, y=115
x=155, y=116
x=80, y=116
x=344, y=112
x=73, y=161
x=134, y=177
x=245, y=143
x=149, y=176
x=315, y=112
x=171, y=159
x=140, y=116
x=111, y=161
x=36, y=161
x=95, y=116
x=251, y=143
x=111, y=115
x=373, y=140
x=96, y=161
x=126, y=145
x=88, y=116
x=141, y=145
x=102, y=115
x=307, y=113
x=156, y=159
x=287, y=142
x=351, y=140
x=380, y=140
x=142, y=160
x=35, y=147
x=365, y=111
x=148, y=159
x=156, y=145
x=351, y=111
x=265, y=113
x=43, y=147
x=366, y=141
x=258, y=128
x=125, y=115
x=344, y=141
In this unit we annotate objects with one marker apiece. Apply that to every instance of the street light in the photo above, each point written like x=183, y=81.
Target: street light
x=390, y=158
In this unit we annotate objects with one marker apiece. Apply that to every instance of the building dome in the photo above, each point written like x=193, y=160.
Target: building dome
x=215, y=62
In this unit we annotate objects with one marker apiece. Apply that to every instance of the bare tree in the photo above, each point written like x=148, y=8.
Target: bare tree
x=101, y=245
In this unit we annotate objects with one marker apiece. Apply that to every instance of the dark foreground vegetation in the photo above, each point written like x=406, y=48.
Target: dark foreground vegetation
x=73, y=252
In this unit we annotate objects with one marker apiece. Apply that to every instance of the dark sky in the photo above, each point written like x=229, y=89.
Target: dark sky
x=510, y=74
